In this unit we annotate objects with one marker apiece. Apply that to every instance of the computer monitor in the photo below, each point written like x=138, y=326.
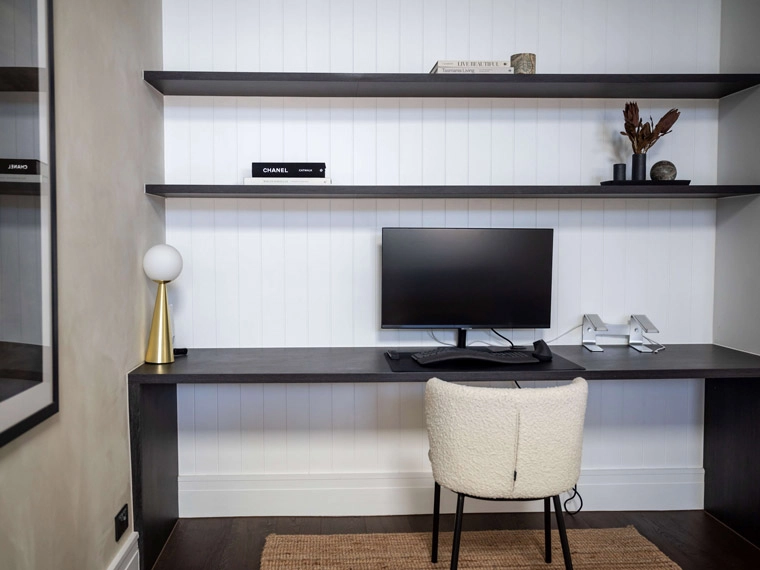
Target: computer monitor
x=466, y=278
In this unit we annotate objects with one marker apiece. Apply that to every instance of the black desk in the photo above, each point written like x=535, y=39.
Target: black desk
x=732, y=395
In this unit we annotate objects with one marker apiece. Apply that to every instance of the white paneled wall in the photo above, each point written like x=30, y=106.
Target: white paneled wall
x=306, y=272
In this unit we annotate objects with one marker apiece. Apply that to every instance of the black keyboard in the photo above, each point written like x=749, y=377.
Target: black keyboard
x=448, y=353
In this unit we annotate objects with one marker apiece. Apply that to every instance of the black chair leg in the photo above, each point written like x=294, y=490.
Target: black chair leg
x=562, y=533
x=457, y=532
x=547, y=531
x=436, y=520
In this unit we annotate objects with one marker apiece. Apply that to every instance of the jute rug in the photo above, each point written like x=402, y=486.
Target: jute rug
x=598, y=549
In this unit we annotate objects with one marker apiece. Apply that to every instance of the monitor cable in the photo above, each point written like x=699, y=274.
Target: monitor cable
x=439, y=341
x=567, y=332
x=575, y=492
x=570, y=498
x=497, y=333
x=564, y=333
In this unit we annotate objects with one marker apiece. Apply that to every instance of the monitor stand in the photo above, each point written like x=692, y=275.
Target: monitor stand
x=461, y=338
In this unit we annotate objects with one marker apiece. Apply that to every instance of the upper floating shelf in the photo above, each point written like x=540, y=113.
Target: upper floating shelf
x=379, y=192
x=594, y=86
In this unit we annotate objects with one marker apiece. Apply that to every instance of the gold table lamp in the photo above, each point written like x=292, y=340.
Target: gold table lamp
x=162, y=263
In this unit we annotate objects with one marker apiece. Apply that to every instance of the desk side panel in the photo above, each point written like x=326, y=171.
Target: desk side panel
x=732, y=454
x=153, y=440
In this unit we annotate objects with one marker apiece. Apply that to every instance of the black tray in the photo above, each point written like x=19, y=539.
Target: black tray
x=646, y=183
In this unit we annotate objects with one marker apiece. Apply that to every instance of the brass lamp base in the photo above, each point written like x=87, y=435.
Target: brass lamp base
x=160, y=350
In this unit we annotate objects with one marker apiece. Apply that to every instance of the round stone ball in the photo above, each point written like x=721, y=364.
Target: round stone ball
x=663, y=170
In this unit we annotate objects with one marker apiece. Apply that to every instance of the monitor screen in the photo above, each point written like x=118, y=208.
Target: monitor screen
x=466, y=278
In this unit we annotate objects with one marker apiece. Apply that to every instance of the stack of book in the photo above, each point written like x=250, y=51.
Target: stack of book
x=300, y=173
x=465, y=66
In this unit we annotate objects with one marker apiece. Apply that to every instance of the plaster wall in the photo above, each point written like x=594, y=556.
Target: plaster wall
x=737, y=264
x=63, y=482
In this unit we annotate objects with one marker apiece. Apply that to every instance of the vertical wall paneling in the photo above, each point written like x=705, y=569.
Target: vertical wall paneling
x=388, y=37
x=271, y=33
x=320, y=428
x=186, y=428
x=297, y=428
x=199, y=38
x=547, y=141
x=273, y=272
x=707, y=14
x=275, y=415
x=294, y=36
x=207, y=441
x=252, y=428
x=264, y=272
x=657, y=276
x=177, y=49
x=365, y=34
x=393, y=117
x=366, y=289
x=703, y=236
x=479, y=125
x=230, y=432
x=247, y=39
x=341, y=35
x=224, y=43
x=227, y=283
x=318, y=270
x=250, y=273
x=433, y=142
x=296, y=284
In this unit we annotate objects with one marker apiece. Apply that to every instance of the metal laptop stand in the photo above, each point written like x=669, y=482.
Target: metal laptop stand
x=594, y=326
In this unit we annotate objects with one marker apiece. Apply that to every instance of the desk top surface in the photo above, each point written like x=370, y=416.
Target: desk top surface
x=344, y=364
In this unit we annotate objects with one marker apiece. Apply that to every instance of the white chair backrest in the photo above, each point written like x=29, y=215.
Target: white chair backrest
x=504, y=443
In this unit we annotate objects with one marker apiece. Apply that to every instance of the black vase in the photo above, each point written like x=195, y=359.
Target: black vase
x=639, y=167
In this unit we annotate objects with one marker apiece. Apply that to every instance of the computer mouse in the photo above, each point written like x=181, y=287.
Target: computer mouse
x=541, y=351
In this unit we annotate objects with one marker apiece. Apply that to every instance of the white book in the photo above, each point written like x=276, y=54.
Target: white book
x=285, y=181
x=473, y=70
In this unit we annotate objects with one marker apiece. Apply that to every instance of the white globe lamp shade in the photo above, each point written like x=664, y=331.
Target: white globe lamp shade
x=162, y=263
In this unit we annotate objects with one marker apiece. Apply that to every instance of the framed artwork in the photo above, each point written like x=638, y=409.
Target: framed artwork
x=28, y=308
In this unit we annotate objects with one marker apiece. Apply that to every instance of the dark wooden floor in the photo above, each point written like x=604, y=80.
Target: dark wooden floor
x=692, y=539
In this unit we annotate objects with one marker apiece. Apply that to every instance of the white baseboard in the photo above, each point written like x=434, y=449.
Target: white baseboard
x=367, y=494
x=127, y=558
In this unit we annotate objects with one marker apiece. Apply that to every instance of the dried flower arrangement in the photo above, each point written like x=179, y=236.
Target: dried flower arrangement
x=644, y=135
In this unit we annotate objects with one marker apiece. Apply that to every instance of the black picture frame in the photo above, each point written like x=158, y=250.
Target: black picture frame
x=31, y=395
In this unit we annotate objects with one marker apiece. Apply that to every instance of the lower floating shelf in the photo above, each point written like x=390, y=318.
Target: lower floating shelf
x=378, y=192
x=31, y=188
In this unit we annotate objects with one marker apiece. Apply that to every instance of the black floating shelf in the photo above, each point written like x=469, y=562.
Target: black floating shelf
x=375, y=192
x=20, y=79
x=19, y=188
x=596, y=86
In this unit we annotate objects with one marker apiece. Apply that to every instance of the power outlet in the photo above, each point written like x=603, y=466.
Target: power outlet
x=121, y=522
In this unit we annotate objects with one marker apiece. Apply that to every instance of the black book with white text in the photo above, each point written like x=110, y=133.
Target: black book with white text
x=288, y=169
x=23, y=166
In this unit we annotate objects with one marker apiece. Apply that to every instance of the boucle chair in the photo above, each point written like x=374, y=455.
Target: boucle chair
x=496, y=443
